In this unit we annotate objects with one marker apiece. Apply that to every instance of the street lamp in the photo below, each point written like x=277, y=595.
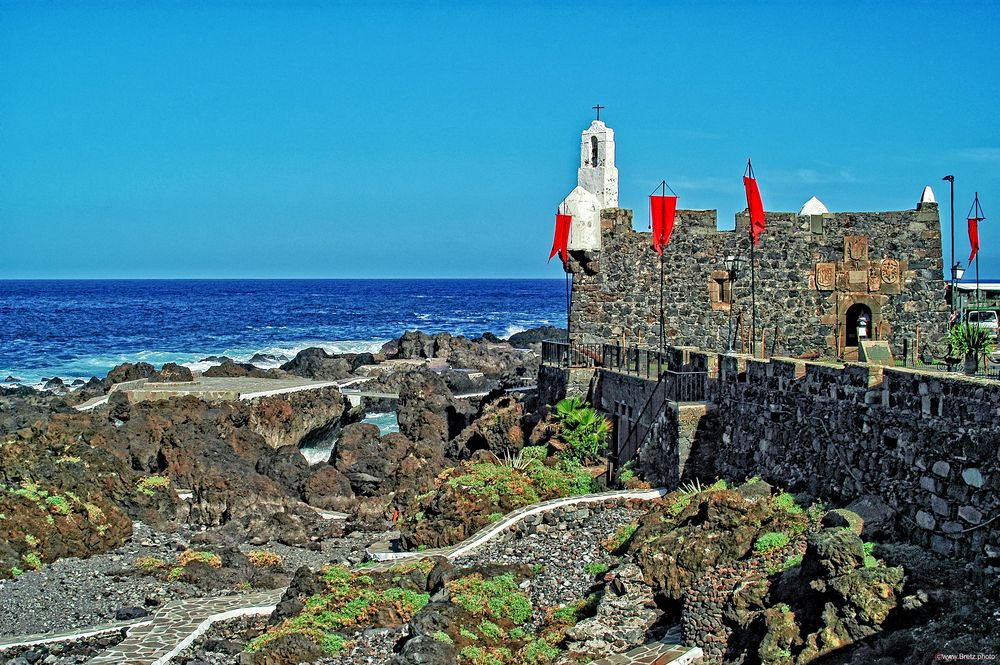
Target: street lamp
x=957, y=273
x=734, y=264
x=951, y=181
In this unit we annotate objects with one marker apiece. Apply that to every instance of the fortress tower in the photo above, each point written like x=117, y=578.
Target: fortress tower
x=597, y=187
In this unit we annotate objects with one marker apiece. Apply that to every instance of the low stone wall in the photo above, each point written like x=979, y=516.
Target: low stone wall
x=556, y=383
x=922, y=445
x=920, y=449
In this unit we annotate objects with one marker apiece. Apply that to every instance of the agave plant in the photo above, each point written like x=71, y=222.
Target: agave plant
x=973, y=342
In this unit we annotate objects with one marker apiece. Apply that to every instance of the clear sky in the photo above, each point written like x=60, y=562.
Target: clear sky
x=324, y=139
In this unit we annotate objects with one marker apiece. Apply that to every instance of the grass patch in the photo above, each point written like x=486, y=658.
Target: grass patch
x=772, y=540
x=148, y=564
x=349, y=599
x=264, y=559
x=150, y=485
x=208, y=558
x=617, y=540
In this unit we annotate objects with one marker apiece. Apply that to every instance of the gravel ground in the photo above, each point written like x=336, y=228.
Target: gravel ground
x=79, y=593
x=62, y=653
x=559, y=544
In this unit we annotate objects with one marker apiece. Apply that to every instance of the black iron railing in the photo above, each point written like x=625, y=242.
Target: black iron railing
x=633, y=360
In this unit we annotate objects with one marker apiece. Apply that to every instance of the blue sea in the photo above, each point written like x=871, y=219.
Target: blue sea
x=79, y=329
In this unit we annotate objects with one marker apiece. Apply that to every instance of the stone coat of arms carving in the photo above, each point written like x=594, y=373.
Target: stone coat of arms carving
x=826, y=275
x=889, y=271
x=855, y=248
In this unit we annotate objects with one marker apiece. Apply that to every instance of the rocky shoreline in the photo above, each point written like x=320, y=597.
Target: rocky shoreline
x=110, y=514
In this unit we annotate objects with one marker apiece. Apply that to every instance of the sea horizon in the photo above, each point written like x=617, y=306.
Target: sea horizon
x=79, y=328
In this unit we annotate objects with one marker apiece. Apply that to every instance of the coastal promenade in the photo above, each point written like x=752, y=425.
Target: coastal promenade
x=218, y=387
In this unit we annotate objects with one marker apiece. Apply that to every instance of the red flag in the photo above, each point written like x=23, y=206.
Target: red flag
x=561, y=239
x=755, y=206
x=974, y=236
x=662, y=209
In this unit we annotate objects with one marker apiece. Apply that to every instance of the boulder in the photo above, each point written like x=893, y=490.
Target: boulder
x=316, y=363
x=174, y=372
x=535, y=336
x=327, y=488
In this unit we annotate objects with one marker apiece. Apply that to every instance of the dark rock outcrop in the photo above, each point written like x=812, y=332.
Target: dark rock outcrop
x=316, y=363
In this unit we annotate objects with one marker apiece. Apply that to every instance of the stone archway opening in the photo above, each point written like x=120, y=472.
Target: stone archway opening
x=858, y=324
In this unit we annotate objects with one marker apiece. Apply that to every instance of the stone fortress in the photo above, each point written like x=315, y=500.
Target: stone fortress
x=817, y=273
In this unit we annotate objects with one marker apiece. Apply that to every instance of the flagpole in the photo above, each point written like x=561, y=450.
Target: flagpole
x=976, y=214
x=753, y=277
x=663, y=192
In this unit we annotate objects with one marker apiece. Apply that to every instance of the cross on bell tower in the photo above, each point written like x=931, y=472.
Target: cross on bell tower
x=598, y=109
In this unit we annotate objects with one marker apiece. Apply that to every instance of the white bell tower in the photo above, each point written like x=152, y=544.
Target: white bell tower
x=597, y=173
x=597, y=186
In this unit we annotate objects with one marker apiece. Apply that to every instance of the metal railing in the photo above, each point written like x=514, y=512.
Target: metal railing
x=634, y=360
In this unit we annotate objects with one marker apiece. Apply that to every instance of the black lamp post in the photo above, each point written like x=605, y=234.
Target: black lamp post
x=957, y=273
x=951, y=181
x=734, y=264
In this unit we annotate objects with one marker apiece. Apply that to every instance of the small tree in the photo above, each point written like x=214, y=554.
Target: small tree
x=973, y=342
x=584, y=430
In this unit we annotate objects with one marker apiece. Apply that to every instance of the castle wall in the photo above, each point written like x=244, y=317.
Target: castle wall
x=810, y=270
x=919, y=446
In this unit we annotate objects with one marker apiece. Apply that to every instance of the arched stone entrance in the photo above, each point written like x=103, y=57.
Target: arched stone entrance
x=858, y=324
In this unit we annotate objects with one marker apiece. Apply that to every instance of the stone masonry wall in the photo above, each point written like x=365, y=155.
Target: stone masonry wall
x=921, y=447
x=922, y=444
x=809, y=271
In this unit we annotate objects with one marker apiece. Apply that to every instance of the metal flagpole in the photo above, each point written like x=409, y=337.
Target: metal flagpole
x=663, y=192
x=753, y=276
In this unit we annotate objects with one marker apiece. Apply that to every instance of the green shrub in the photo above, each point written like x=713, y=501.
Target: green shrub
x=442, y=636
x=32, y=560
x=16, y=572
x=348, y=599
x=584, y=431
x=786, y=502
x=968, y=340
x=770, y=541
x=148, y=564
x=869, y=561
x=596, y=568
x=494, y=598
x=208, y=558
x=490, y=630
x=58, y=505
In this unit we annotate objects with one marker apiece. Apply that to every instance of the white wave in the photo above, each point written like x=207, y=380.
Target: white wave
x=512, y=330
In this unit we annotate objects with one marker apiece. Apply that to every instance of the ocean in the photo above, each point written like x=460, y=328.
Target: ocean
x=82, y=328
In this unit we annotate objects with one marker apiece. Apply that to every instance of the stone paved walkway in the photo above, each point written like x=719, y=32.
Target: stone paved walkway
x=178, y=624
x=655, y=654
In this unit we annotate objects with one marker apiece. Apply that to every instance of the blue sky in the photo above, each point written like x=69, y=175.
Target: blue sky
x=314, y=139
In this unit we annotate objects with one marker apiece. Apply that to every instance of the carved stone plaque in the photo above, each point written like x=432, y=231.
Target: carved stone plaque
x=889, y=271
x=826, y=275
x=874, y=278
x=855, y=248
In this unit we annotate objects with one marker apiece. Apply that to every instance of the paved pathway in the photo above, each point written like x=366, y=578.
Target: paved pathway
x=179, y=623
x=658, y=653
